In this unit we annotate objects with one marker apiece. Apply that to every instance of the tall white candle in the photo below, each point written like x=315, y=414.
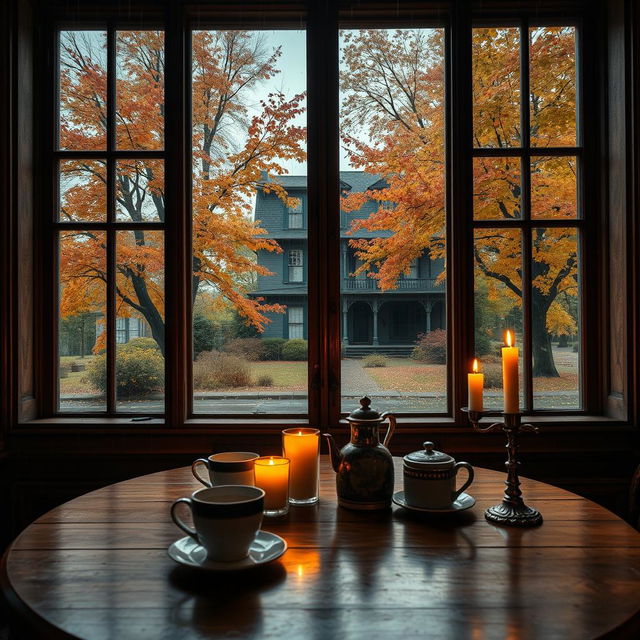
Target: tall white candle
x=510, y=382
x=476, y=388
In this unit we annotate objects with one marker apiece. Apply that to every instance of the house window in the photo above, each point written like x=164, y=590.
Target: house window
x=520, y=213
x=296, y=267
x=295, y=322
x=295, y=215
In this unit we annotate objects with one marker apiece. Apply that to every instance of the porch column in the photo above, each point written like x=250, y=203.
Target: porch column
x=374, y=306
x=428, y=306
x=345, y=322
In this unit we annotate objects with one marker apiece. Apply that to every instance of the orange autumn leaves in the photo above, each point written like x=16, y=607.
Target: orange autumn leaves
x=393, y=115
x=232, y=147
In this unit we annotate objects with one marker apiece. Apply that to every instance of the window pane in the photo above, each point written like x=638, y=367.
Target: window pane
x=496, y=87
x=496, y=188
x=140, y=89
x=140, y=190
x=552, y=86
x=553, y=187
x=83, y=90
x=394, y=339
x=140, y=303
x=249, y=171
x=83, y=191
x=82, y=312
x=498, y=305
x=555, y=322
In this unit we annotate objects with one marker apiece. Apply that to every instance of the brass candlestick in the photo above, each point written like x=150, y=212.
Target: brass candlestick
x=512, y=510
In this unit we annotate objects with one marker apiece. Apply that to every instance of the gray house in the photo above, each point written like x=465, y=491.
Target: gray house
x=372, y=320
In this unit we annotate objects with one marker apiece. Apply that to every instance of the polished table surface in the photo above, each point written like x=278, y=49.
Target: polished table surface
x=97, y=568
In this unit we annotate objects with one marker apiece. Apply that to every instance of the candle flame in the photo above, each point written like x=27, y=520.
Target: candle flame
x=509, y=338
x=271, y=460
x=299, y=433
x=475, y=365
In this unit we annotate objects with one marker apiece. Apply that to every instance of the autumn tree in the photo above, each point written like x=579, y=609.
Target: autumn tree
x=232, y=146
x=393, y=125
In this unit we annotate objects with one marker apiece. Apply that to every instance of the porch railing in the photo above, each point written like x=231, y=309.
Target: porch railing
x=405, y=284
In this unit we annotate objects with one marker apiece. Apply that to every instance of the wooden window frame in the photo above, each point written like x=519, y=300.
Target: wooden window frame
x=609, y=394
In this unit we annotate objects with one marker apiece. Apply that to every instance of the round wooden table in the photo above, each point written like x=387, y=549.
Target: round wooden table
x=97, y=568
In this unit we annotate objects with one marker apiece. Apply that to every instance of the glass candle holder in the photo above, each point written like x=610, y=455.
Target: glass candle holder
x=272, y=475
x=302, y=447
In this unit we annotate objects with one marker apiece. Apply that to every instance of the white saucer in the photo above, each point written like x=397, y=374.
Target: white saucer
x=464, y=501
x=265, y=548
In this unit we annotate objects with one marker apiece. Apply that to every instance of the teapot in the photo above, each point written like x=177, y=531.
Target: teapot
x=364, y=466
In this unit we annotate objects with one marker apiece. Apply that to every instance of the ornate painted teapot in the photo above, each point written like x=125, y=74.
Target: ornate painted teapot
x=364, y=466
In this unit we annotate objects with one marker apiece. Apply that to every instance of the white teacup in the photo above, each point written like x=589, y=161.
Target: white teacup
x=231, y=467
x=226, y=519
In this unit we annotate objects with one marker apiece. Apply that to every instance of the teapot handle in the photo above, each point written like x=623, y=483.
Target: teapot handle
x=391, y=429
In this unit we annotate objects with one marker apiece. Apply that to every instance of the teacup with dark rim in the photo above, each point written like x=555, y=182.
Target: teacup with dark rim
x=230, y=467
x=226, y=519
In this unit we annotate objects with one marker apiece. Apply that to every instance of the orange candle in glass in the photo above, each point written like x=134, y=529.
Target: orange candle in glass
x=510, y=382
x=272, y=475
x=302, y=447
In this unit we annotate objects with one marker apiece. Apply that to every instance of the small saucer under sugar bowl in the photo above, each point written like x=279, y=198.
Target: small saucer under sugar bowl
x=430, y=478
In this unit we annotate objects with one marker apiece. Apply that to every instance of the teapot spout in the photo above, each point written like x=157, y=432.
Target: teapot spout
x=334, y=452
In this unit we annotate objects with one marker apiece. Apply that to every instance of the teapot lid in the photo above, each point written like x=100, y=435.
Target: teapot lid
x=429, y=456
x=364, y=413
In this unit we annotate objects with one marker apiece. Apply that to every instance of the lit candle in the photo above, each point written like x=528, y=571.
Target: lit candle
x=510, y=384
x=302, y=447
x=272, y=475
x=476, y=388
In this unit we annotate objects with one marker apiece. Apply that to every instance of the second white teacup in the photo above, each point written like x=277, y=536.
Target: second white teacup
x=231, y=467
x=226, y=519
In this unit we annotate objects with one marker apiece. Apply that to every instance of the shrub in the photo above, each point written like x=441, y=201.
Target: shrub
x=431, y=347
x=264, y=381
x=139, y=343
x=375, y=360
x=139, y=370
x=482, y=343
x=295, y=349
x=250, y=349
x=272, y=348
x=492, y=376
x=204, y=333
x=216, y=370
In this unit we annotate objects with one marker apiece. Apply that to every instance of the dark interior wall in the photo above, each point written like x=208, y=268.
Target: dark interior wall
x=42, y=465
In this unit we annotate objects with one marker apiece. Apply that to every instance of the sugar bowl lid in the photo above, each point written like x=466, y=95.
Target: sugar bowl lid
x=429, y=458
x=364, y=413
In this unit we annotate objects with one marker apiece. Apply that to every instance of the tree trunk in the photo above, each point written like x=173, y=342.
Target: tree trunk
x=543, y=364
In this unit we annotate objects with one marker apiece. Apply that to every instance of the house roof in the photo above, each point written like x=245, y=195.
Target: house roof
x=353, y=181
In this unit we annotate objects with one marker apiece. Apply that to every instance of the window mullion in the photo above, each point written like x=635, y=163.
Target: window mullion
x=178, y=314
x=110, y=326
x=525, y=171
x=323, y=215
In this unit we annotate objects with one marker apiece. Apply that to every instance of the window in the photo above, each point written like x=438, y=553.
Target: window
x=110, y=219
x=369, y=268
x=295, y=215
x=295, y=318
x=296, y=273
x=527, y=215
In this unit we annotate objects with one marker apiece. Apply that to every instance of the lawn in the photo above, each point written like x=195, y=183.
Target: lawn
x=402, y=374
x=287, y=376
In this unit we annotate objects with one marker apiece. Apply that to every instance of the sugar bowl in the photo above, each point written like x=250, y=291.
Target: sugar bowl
x=430, y=478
